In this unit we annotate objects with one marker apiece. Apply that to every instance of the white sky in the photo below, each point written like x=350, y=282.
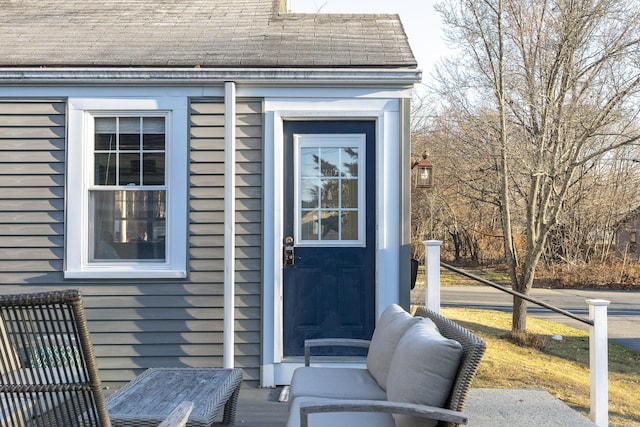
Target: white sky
x=421, y=23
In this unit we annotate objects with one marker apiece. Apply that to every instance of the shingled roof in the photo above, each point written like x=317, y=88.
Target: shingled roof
x=194, y=33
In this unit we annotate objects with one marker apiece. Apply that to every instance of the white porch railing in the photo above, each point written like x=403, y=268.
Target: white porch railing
x=598, y=338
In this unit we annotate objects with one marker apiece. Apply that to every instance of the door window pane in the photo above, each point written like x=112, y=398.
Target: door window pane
x=330, y=224
x=349, y=163
x=310, y=192
x=349, y=194
x=309, y=161
x=331, y=193
x=350, y=226
x=330, y=188
x=329, y=161
x=309, y=229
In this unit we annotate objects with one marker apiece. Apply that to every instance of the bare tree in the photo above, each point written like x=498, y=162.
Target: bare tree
x=552, y=85
x=455, y=209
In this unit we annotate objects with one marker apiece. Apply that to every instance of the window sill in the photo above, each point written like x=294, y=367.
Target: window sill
x=125, y=274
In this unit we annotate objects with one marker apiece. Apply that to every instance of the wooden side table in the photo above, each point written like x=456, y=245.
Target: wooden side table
x=150, y=397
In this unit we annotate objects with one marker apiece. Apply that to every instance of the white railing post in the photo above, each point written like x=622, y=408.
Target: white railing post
x=599, y=361
x=432, y=274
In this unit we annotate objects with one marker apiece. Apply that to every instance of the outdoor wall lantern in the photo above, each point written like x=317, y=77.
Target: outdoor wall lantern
x=424, y=175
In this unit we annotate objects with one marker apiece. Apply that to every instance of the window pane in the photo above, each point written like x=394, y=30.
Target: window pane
x=309, y=225
x=309, y=159
x=349, y=193
x=105, y=125
x=128, y=225
x=330, y=193
x=350, y=225
x=105, y=169
x=153, y=133
x=129, y=142
x=105, y=133
x=153, y=169
x=310, y=193
x=330, y=225
x=129, y=125
x=330, y=159
x=129, y=169
x=152, y=142
x=129, y=133
x=349, y=162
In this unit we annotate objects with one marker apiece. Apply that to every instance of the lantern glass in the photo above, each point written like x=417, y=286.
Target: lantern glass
x=424, y=177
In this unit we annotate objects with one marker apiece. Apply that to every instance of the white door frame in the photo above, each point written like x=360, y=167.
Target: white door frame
x=388, y=209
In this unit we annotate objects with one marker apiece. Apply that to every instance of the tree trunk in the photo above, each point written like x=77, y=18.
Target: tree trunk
x=457, y=242
x=519, y=317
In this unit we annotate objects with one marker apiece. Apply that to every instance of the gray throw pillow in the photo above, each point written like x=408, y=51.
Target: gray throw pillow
x=391, y=326
x=422, y=370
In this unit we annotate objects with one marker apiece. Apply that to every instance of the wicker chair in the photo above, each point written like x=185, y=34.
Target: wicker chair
x=48, y=371
x=473, y=349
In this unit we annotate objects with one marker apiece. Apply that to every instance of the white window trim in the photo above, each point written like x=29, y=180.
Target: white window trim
x=79, y=169
x=338, y=141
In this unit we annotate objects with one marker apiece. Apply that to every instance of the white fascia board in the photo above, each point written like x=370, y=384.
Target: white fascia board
x=290, y=93
x=272, y=92
x=114, y=92
x=190, y=76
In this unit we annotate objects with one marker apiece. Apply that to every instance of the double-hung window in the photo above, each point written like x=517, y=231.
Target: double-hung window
x=126, y=202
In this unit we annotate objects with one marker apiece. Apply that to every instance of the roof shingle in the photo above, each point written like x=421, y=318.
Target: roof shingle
x=188, y=33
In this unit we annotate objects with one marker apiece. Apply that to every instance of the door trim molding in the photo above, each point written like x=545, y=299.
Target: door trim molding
x=385, y=112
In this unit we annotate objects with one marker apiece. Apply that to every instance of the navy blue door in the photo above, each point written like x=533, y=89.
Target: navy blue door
x=329, y=244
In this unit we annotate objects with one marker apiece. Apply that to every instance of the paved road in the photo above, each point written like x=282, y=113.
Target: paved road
x=623, y=312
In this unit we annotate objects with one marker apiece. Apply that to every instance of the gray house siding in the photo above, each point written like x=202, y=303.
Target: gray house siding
x=137, y=324
x=32, y=154
x=207, y=219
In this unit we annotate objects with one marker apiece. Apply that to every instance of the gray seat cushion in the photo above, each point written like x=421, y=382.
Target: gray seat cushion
x=338, y=419
x=391, y=326
x=339, y=383
x=422, y=370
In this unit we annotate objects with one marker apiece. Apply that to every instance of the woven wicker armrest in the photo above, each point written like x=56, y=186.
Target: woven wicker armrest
x=421, y=411
x=473, y=349
x=326, y=342
x=179, y=416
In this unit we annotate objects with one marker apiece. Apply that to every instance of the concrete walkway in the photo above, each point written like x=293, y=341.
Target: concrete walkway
x=488, y=407
x=485, y=408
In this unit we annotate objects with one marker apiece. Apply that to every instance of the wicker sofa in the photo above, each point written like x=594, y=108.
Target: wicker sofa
x=419, y=370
